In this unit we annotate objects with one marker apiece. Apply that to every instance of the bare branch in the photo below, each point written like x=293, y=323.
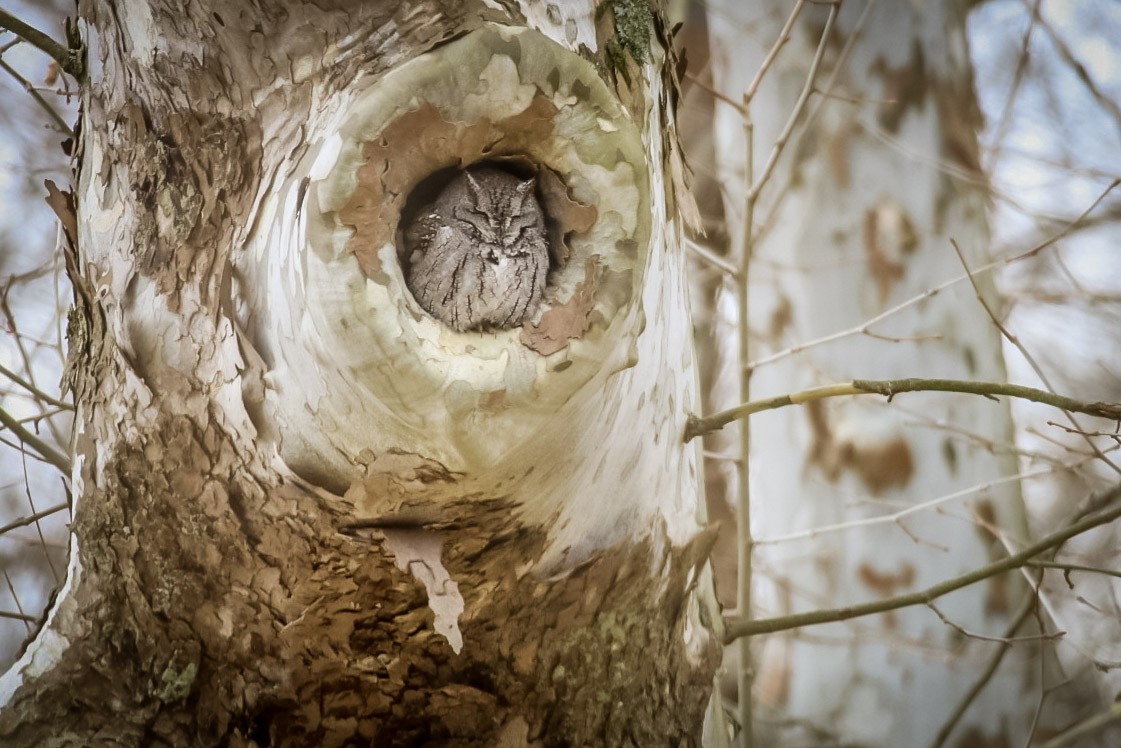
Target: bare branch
x=66, y=59
x=1018, y=78
x=38, y=393
x=736, y=628
x=45, y=452
x=892, y=387
x=710, y=257
x=32, y=518
x=1003, y=639
x=18, y=616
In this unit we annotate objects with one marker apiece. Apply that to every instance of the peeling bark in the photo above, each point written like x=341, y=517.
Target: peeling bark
x=289, y=531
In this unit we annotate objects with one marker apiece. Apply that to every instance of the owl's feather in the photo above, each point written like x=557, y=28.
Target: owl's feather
x=478, y=254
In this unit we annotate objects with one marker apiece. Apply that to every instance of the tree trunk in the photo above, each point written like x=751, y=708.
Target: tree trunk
x=858, y=217
x=307, y=512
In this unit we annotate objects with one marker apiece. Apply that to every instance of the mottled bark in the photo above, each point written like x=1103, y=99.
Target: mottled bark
x=265, y=552
x=880, y=174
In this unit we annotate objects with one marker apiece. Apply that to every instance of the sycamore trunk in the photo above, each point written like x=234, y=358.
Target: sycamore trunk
x=306, y=512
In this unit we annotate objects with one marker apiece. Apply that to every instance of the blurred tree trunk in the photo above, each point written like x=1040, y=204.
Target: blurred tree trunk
x=307, y=514
x=857, y=217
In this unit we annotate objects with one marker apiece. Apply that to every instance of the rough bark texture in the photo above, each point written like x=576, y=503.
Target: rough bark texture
x=215, y=597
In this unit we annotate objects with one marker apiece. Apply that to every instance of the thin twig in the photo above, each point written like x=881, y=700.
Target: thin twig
x=58, y=120
x=1018, y=75
x=712, y=91
x=38, y=393
x=930, y=292
x=909, y=509
x=1003, y=639
x=745, y=541
x=19, y=337
x=772, y=55
x=799, y=105
x=44, y=415
x=752, y=189
x=15, y=596
x=736, y=628
x=1074, y=567
x=1041, y=663
x=951, y=722
x=1105, y=101
x=38, y=525
x=994, y=447
x=1015, y=341
x=1086, y=727
x=839, y=64
x=710, y=257
x=893, y=387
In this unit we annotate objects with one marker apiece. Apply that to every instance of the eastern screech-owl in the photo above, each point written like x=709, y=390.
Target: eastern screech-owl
x=478, y=253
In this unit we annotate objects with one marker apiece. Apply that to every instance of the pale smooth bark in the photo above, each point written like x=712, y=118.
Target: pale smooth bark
x=307, y=513
x=856, y=219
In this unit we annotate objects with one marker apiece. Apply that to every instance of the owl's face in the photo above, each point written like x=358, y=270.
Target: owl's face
x=479, y=257
x=503, y=217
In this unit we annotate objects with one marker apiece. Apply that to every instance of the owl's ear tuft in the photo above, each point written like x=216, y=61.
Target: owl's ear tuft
x=476, y=188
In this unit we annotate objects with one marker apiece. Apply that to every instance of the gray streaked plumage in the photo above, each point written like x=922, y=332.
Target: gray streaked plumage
x=478, y=255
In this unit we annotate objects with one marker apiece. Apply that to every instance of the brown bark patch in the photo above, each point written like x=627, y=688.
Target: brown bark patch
x=193, y=182
x=961, y=119
x=563, y=322
x=782, y=316
x=886, y=584
x=62, y=203
x=418, y=144
x=837, y=156
x=997, y=588
x=880, y=464
x=397, y=479
x=904, y=87
x=223, y=611
x=976, y=737
x=494, y=401
x=889, y=239
x=566, y=216
x=545, y=661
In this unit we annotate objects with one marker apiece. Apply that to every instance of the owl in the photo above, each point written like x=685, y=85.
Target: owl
x=478, y=254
